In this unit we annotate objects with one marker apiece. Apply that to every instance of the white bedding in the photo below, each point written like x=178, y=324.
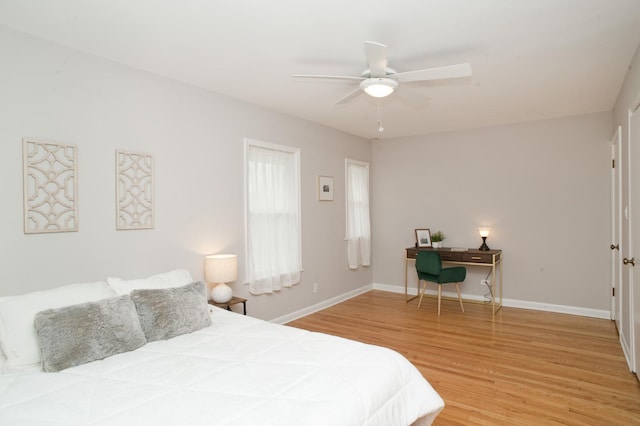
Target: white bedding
x=238, y=371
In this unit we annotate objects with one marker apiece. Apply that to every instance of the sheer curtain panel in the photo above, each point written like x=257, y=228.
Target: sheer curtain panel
x=273, y=222
x=358, y=224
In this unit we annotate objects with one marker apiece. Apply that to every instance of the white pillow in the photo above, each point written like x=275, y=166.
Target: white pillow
x=17, y=332
x=175, y=278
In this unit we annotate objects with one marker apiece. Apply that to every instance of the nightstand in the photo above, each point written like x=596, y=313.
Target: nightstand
x=234, y=301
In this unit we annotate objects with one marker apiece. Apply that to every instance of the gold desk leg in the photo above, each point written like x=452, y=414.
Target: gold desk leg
x=406, y=273
x=501, y=266
x=497, y=287
x=493, y=283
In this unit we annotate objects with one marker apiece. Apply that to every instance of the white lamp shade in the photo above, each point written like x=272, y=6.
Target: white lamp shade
x=221, y=268
x=484, y=232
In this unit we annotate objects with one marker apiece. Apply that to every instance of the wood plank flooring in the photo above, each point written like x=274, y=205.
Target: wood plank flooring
x=523, y=368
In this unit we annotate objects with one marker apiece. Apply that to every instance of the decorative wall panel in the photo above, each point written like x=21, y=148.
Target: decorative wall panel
x=50, y=187
x=134, y=174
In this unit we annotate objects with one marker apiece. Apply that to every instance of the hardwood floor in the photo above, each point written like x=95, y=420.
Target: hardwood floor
x=523, y=368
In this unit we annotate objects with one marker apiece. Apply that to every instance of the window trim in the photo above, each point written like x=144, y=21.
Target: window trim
x=364, y=164
x=249, y=142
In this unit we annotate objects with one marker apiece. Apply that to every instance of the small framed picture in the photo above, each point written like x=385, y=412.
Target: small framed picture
x=423, y=238
x=325, y=188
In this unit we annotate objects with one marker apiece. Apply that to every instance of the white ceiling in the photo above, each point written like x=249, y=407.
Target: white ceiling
x=531, y=59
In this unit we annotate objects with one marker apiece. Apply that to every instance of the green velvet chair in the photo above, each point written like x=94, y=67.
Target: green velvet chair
x=429, y=268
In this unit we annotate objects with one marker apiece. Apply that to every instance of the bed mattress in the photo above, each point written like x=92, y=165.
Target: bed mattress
x=238, y=371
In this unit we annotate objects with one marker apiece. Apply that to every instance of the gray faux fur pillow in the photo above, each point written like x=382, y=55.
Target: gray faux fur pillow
x=170, y=312
x=75, y=335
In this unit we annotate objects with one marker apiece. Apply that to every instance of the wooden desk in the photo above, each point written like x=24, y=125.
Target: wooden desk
x=470, y=257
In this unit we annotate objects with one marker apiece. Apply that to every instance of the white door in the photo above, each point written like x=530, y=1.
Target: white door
x=634, y=192
x=625, y=295
x=616, y=223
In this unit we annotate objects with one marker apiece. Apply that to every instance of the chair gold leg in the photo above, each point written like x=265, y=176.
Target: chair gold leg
x=424, y=288
x=439, y=296
x=459, y=297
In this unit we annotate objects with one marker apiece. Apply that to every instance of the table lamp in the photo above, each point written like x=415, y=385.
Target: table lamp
x=221, y=269
x=484, y=233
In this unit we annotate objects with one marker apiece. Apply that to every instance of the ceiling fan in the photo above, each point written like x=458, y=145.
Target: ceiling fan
x=379, y=80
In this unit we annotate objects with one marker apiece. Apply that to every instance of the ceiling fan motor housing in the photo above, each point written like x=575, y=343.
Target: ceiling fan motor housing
x=388, y=71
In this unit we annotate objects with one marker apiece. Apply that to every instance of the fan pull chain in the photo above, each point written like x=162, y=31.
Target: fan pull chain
x=380, y=128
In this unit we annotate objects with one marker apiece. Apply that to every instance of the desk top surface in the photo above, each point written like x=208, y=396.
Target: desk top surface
x=453, y=250
x=468, y=256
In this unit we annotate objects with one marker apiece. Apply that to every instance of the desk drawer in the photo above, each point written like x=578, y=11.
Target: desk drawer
x=445, y=255
x=477, y=257
x=448, y=256
x=412, y=253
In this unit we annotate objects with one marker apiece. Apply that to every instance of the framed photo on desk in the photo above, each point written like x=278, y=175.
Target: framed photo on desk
x=423, y=238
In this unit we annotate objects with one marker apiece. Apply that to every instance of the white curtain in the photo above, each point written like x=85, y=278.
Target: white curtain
x=358, y=225
x=273, y=219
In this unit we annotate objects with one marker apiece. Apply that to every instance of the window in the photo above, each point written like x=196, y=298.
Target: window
x=274, y=258
x=358, y=224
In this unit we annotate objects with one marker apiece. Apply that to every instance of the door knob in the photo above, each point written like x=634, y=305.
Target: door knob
x=616, y=247
x=632, y=261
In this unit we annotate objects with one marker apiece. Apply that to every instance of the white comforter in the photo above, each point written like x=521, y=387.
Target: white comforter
x=238, y=371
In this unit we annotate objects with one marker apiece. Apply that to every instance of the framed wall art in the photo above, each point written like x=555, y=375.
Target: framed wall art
x=423, y=238
x=325, y=188
x=134, y=190
x=50, y=187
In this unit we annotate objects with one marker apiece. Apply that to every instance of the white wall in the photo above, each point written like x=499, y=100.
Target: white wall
x=53, y=93
x=542, y=186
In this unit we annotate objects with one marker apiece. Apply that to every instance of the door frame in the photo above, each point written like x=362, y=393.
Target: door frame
x=633, y=135
x=616, y=223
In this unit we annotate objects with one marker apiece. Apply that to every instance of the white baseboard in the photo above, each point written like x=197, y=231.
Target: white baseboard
x=322, y=305
x=626, y=350
x=513, y=303
x=523, y=304
x=562, y=309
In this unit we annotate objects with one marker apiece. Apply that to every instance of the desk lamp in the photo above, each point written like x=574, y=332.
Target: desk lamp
x=221, y=269
x=484, y=233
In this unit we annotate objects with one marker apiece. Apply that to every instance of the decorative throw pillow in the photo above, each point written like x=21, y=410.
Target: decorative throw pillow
x=166, y=313
x=175, y=278
x=90, y=331
x=17, y=335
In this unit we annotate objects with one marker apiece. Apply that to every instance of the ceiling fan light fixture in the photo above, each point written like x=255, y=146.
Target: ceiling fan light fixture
x=379, y=87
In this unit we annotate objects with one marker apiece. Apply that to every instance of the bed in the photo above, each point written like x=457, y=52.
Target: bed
x=235, y=370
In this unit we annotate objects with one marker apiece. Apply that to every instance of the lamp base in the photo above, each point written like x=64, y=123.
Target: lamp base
x=221, y=293
x=484, y=246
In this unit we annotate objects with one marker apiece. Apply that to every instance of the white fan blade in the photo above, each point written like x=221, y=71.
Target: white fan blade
x=334, y=77
x=349, y=96
x=376, y=58
x=410, y=98
x=451, y=71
